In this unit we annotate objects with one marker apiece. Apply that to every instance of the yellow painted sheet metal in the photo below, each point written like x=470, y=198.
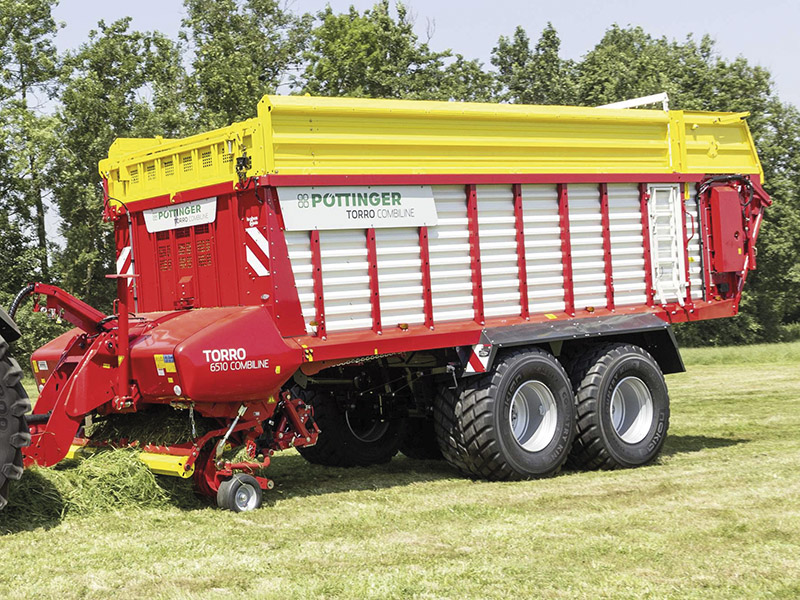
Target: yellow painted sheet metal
x=160, y=464
x=310, y=135
x=167, y=464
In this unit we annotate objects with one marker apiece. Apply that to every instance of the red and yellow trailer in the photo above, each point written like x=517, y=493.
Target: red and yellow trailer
x=490, y=283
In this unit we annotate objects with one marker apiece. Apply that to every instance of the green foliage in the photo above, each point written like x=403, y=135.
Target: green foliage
x=28, y=67
x=37, y=329
x=375, y=55
x=534, y=76
x=18, y=258
x=120, y=83
x=242, y=49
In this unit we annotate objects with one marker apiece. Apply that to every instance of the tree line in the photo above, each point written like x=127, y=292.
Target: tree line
x=60, y=111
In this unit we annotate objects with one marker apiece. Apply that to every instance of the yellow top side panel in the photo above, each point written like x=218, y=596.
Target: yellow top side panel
x=147, y=168
x=297, y=135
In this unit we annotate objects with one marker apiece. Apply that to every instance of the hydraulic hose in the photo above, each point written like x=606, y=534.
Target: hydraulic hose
x=21, y=295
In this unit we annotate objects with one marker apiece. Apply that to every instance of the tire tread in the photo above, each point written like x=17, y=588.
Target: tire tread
x=15, y=435
x=586, y=372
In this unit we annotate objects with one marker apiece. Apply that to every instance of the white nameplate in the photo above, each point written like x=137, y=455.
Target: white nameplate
x=357, y=207
x=184, y=214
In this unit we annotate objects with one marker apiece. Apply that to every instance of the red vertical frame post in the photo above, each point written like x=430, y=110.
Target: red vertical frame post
x=316, y=274
x=425, y=265
x=522, y=265
x=705, y=244
x=123, y=238
x=644, y=197
x=374, y=293
x=683, y=189
x=475, y=253
x=605, y=222
x=566, y=249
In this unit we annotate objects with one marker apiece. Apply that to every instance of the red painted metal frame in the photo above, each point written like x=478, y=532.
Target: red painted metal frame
x=68, y=307
x=316, y=274
x=566, y=249
x=475, y=178
x=705, y=241
x=425, y=265
x=200, y=193
x=475, y=253
x=644, y=197
x=519, y=225
x=686, y=238
x=604, y=219
x=374, y=292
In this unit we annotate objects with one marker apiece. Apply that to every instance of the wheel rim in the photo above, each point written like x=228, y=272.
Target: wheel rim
x=533, y=416
x=245, y=497
x=631, y=410
x=366, y=430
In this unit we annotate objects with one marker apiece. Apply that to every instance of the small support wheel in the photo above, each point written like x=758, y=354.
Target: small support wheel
x=240, y=493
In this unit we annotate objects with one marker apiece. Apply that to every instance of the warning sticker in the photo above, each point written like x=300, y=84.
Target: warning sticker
x=165, y=363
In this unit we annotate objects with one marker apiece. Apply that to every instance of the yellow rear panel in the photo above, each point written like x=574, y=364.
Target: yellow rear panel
x=306, y=135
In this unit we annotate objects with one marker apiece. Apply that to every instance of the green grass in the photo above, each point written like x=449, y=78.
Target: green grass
x=718, y=516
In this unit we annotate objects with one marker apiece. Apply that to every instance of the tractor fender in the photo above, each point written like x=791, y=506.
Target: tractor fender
x=645, y=330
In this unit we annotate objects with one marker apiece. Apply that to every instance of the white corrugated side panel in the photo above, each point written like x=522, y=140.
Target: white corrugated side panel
x=627, y=244
x=299, y=245
x=695, y=255
x=448, y=243
x=399, y=276
x=586, y=237
x=345, y=279
x=542, y=248
x=498, y=243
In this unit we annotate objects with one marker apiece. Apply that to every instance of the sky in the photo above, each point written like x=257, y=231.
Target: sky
x=767, y=33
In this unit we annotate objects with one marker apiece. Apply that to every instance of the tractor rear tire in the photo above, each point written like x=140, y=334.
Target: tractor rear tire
x=345, y=439
x=623, y=407
x=515, y=422
x=14, y=433
x=419, y=441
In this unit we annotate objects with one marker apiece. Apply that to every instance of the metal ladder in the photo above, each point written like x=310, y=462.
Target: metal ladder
x=666, y=244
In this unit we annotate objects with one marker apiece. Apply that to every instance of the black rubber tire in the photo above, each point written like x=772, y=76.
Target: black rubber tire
x=226, y=494
x=14, y=433
x=419, y=441
x=337, y=445
x=449, y=435
x=473, y=425
x=595, y=374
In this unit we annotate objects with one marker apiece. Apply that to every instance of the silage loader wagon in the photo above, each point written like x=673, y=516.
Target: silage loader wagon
x=493, y=284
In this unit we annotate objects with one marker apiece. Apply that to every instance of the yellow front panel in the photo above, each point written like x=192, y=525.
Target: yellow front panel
x=136, y=171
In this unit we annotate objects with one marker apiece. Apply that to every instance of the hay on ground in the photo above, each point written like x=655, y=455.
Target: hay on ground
x=106, y=481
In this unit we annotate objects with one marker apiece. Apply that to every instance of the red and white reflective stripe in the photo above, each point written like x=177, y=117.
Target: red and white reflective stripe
x=125, y=263
x=257, y=250
x=479, y=359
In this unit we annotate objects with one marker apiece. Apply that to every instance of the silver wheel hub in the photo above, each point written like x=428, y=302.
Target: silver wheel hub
x=533, y=416
x=631, y=410
x=245, y=497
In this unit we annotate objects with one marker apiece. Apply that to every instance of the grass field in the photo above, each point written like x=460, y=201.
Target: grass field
x=718, y=516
